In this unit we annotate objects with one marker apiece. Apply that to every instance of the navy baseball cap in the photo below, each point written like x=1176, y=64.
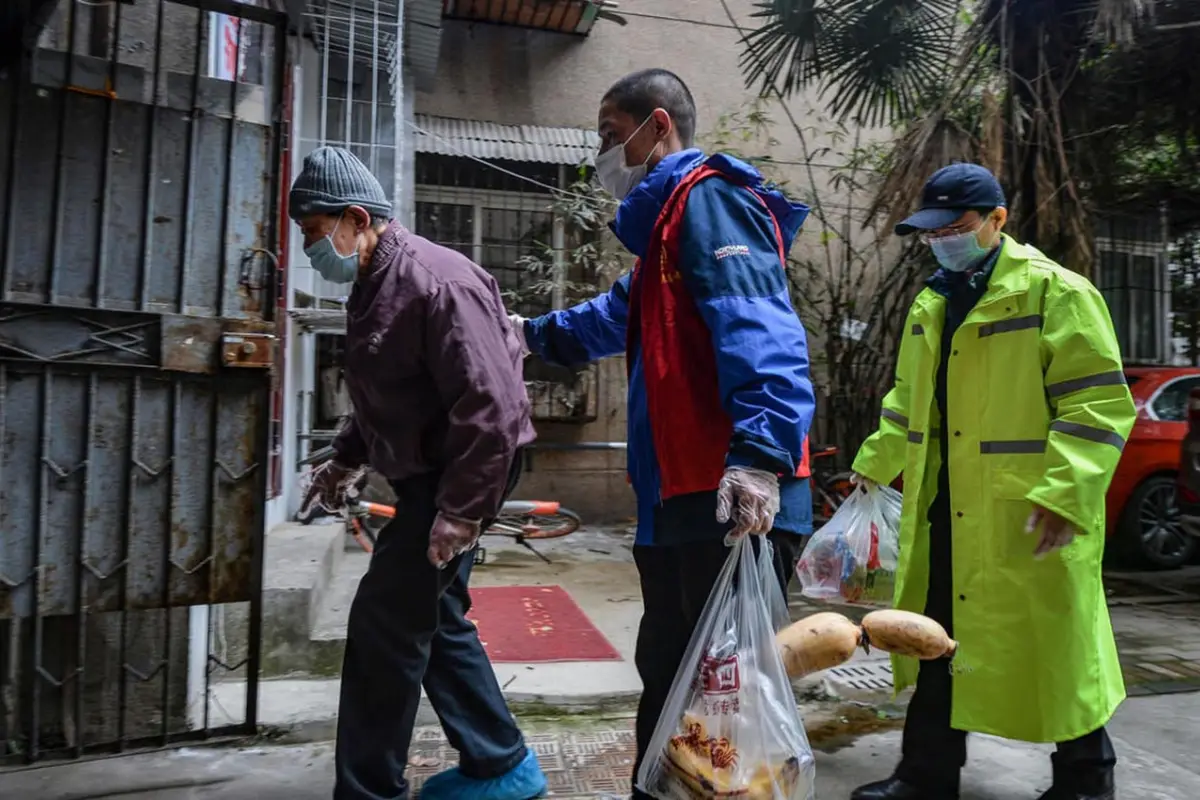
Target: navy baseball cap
x=950, y=193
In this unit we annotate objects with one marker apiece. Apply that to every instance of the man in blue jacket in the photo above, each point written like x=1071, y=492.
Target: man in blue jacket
x=720, y=400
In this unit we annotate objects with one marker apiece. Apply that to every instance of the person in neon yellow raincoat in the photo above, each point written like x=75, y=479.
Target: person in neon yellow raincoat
x=1007, y=420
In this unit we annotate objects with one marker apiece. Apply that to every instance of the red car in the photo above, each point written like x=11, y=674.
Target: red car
x=1143, y=514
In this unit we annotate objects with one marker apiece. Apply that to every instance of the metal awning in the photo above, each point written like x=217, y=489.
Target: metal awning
x=558, y=16
x=491, y=140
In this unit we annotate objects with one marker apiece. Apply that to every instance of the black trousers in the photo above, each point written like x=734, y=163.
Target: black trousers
x=408, y=628
x=676, y=582
x=933, y=753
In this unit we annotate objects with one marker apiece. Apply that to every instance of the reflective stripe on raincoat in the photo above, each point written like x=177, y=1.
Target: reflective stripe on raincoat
x=1038, y=413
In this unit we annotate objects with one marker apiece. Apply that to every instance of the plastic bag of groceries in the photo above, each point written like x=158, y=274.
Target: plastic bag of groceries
x=730, y=727
x=853, y=556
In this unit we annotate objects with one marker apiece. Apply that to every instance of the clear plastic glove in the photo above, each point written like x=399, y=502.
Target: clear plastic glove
x=329, y=484
x=1057, y=532
x=517, y=322
x=859, y=480
x=449, y=536
x=749, y=498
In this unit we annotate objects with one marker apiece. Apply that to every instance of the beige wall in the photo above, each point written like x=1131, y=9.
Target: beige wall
x=514, y=76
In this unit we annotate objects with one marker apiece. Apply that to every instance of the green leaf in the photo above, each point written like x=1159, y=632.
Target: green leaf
x=873, y=59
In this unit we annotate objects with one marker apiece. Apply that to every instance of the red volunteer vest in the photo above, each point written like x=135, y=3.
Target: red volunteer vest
x=690, y=426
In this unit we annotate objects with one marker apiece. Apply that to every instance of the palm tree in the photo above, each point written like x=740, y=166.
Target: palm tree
x=1001, y=82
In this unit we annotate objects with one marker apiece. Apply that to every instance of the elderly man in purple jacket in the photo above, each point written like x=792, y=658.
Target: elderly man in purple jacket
x=434, y=375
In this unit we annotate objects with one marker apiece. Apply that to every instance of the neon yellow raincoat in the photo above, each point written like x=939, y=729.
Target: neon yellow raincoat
x=1039, y=412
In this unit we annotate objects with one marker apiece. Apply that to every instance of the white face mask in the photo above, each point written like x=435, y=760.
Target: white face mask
x=961, y=251
x=615, y=175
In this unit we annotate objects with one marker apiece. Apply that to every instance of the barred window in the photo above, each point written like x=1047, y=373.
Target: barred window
x=1131, y=275
x=501, y=216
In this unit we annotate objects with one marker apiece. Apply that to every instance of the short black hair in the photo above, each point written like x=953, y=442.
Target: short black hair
x=639, y=93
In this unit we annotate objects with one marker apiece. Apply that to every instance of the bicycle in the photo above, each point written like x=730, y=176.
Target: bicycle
x=522, y=520
x=829, y=489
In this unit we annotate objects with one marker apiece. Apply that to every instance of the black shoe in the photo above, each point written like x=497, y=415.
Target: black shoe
x=1095, y=785
x=896, y=789
x=1076, y=784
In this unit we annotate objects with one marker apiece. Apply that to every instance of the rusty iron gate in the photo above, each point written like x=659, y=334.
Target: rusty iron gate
x=139, y=206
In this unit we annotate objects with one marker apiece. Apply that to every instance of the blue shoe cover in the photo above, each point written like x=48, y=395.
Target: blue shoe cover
x=525, y=781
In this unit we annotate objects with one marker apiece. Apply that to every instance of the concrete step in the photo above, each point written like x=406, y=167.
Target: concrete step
x=329, y=623
x=300, y=563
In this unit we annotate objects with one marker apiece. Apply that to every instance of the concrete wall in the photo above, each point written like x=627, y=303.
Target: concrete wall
x=514, y=76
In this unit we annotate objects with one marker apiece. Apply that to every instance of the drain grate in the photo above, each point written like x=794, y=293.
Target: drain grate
x=863, y=677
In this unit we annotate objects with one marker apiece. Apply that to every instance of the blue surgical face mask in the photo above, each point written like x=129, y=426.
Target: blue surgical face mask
x=959, y=252
x=329, y=263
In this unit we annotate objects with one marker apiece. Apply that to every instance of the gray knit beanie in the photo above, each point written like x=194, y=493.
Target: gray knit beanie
x=333, y=179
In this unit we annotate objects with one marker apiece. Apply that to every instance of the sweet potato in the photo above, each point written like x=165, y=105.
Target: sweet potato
x=817, y=642
x=904, y=633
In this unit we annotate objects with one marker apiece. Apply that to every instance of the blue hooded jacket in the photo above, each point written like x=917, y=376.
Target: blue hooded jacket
x=729, y=258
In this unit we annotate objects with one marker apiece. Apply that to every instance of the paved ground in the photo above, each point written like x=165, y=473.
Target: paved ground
x=1157, y=619
x=1156, y=616
x=595, y=566
x=590, y=758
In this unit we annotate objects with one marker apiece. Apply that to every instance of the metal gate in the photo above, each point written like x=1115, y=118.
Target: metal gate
x=139, y=190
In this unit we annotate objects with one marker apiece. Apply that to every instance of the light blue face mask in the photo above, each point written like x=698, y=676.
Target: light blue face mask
x=329, y=263
x=960, y=252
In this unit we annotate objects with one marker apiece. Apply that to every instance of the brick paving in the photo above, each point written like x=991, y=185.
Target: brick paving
x=1158, y=635
x=1156, y=617
x=1159, y=646
x=591, y=759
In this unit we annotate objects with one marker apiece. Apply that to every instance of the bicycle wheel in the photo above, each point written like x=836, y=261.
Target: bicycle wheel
x=363, y=535
x=531, y=525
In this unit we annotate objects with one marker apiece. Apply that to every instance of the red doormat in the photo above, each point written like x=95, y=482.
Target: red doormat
x=526, y=624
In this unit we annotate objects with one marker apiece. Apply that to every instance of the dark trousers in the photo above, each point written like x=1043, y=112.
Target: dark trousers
x=933, y=753
x=408, y=628
x=676, y=582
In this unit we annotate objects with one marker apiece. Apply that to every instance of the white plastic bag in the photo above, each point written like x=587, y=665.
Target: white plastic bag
x=730, y=727
x=853, y=557
x=777, y=604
